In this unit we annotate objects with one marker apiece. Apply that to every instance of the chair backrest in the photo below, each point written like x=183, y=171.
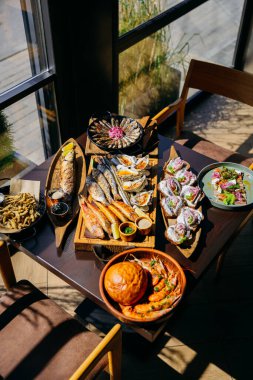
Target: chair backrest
x=220, y=80
x=212, y=78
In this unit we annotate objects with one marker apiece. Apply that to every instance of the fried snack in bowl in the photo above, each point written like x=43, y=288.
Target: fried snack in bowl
x=18, y=211
x=155, y=302
x=126, y=282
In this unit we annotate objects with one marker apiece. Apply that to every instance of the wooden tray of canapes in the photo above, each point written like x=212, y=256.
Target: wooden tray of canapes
x=188, y=248
x=82, y=240
x=53, y=182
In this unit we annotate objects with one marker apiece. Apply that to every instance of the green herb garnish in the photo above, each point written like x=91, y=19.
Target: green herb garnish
x=170, y=169
x=128, y=230
x=190, y=219
x=189, y=196
x=182, y=240
x=230, y=199
x=156, y=289
x=152, y=263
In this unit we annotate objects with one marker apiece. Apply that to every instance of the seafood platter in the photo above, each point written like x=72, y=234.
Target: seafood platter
x=142, y=285
x=227, y=185
x=118, y=207
x=180, y=198
x=65, y=180
x=115, y=133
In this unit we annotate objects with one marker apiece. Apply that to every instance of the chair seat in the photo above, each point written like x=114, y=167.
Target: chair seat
x=39, y=340
x=212, y=150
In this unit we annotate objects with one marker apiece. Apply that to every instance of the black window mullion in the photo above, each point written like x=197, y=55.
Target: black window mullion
x=25, y=88
x=243, y=35
x=44, y=8
x=151, y=26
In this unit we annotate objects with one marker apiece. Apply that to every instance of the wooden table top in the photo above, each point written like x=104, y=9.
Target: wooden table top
x=80, y=269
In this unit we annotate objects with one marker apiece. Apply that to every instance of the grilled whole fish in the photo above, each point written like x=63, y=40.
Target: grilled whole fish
x=128, y=211
x=118, y=213
x=103, y=221
x=108, y=213
x=67, y=182
x=110, y=179
x=95, y=190
x=91, y=222
x=102, y=182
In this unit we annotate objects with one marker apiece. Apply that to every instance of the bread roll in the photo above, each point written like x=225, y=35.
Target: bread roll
x=126, y=282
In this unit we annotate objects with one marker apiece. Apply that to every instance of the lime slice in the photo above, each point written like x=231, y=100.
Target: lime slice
x=115, y=231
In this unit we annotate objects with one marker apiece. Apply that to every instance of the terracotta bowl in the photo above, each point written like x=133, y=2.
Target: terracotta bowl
x=139, y=253
x=127, y=237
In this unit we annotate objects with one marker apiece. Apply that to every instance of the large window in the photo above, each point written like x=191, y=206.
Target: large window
x=154, y=54
x=28, y=118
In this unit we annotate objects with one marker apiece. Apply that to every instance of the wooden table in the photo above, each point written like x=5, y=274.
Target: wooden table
x=80, y=270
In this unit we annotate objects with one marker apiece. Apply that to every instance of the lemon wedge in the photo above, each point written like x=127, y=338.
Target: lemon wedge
x=68, y=147
x=65, y=152
x=115, y=231
x=139, y=212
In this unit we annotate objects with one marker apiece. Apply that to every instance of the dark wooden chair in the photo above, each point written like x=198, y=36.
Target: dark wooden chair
x=39, y=340
x=215, y=79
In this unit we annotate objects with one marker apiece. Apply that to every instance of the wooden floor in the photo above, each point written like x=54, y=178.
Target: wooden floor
x=210, y=339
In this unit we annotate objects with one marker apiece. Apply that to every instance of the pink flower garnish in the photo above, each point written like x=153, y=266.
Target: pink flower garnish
x=116, y=133
x=238, y=196
x=216, y=175
x=226, y=185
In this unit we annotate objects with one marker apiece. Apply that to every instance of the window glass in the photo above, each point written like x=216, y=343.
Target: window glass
x=151, y=72
x=22, y=52
x=28, y=132
x=133, y=13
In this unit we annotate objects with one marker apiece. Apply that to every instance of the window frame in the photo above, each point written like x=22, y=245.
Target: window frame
x=38, y=81
x=172, y=14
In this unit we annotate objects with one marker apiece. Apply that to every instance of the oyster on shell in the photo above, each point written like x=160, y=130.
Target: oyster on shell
x=191, y=195
x=136, y=185
x=190, y=217
x=171, y=205
x=142, y=163
x=125, y=173
x=178, y=233
x=126, y=160
x=142, y=199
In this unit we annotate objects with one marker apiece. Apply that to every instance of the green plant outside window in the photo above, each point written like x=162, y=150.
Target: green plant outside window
x=150, y=71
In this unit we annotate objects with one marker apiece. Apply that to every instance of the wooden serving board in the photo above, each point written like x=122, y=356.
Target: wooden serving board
x=186, y=250
x=53, y=182
x=150, y=130
x=82, y=242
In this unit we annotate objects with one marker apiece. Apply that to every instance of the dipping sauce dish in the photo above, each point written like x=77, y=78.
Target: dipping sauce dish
x=144, y=225
x=60, y=209
x=127, y=231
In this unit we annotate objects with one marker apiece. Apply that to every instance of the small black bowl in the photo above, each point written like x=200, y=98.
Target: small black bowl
x=60, y=209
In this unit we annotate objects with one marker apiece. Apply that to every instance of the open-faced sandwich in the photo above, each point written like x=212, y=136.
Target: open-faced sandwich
x=174, y=165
